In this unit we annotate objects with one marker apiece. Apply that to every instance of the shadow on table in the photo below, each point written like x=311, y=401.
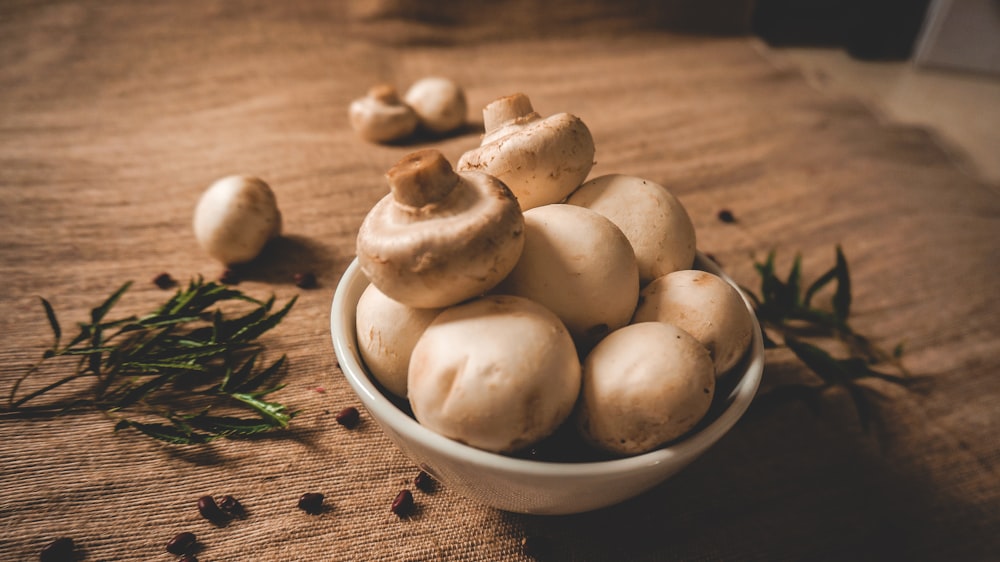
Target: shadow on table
x=789, y=487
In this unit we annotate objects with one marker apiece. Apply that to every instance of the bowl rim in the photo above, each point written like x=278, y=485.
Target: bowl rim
x=343, y=333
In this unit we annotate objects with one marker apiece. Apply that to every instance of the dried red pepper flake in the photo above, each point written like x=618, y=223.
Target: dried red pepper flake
x=311, y=503
x=164, y=281
x=210, y=510
x=181, y=543
x=403, y=504
x=424, y=482
x=305, y=280
x=349, y=417
x=59, y=550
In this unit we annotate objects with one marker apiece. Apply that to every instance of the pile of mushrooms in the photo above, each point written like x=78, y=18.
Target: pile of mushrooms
x=434, y=104
x=509, y=297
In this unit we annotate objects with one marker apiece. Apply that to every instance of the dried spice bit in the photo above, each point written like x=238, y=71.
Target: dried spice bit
x=305, y=280
x=403, y=504
x=210, y=510
x=181, y=543
x=726, y=216
x=229, y=277
x=311, y=503
x=349, y=417
x=424, y=482
x=164, y=281
x=535, y=546
x=231, y=506
x=59, y=550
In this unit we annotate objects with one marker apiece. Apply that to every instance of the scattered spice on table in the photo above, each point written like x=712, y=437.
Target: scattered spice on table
x=349, y=417
x=424, y=482
x=231, y=506
x=59, y=550
x=210, y=510
x=403, y=504
x=311, y=503
x=305, y=280
x=164, y=281
x=181, y=543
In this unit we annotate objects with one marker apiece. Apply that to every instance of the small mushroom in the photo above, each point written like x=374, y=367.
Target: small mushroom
x=439, y=237
x=541, y=160
x=387, y=331
x=498, y=373
x=439, y=104
x=653, y=220
x=705, y=306
x=644, y=385
x=235, y=218
x=381, y=116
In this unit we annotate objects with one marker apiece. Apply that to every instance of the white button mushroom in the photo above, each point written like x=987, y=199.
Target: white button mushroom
x=579, y=265
x=644, y=385
x=439, y=104
x=653, y=220
x=235, y=218
x=381, y=116
x=541, y=160
x=387, y=331
x=440, y=237
x=497, y=373
x=705, y=306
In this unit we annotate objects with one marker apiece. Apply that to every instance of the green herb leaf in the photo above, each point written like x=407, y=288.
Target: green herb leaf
x=842, y=297
x=184, y=354
x=53, y=322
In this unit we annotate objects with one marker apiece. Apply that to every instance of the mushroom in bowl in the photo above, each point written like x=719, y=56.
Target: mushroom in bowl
x=527, y=485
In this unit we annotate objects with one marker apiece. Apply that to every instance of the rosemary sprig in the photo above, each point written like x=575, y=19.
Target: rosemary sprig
x=173, y=366
x=789, y=318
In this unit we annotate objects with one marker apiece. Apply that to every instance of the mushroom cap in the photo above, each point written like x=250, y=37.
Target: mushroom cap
x=381, y=116
x=579, y=265
x=705, y=306
x=654, y=221
x=235, y=217
x=439, y=104
x=497, y=373
x=644, y=385
x=542, y=160
x=387, y=331
x=439, y=237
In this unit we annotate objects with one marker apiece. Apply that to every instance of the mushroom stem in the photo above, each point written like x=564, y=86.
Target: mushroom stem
x=385, y=94
x=506, y=110
x=421, y=178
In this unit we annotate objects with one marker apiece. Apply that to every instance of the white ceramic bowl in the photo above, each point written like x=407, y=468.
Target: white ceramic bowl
x=532, y=486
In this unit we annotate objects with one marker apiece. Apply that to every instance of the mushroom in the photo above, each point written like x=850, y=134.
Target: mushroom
x=541, y=160
x=653, y=220
x=644, y=385
x=439, y=237
x=235, y=218
x=705, y=306
x=381, y=116
x=498, y=373
x=387, y=331
x=439, y=104
x=579, y=265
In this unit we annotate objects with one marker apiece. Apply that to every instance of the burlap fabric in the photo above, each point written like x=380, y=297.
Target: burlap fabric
x=114, y=116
